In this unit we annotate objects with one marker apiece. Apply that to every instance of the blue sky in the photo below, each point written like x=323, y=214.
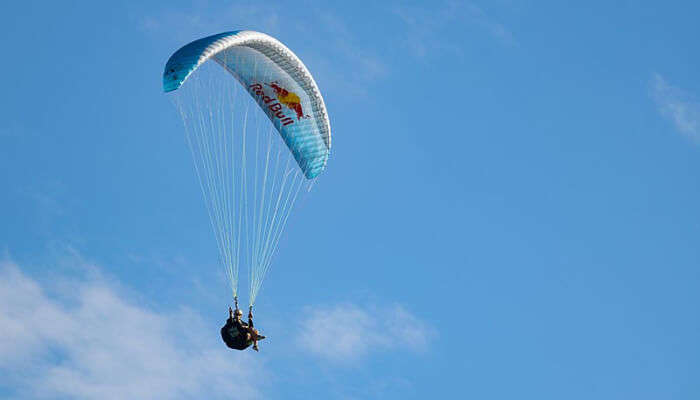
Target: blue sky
x=511, y=203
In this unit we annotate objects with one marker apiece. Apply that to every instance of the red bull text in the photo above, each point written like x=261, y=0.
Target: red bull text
x=283, y=97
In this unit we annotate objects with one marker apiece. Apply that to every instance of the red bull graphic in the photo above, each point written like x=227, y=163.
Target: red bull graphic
x=284, y=97
x=289, y=99
x=274, y=107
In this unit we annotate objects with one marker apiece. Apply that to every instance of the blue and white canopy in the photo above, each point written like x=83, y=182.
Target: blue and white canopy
x=250, y=172
x=277, y=80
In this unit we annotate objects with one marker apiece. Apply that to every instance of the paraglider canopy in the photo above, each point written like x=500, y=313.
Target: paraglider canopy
x=277, y=80
x=253, y=153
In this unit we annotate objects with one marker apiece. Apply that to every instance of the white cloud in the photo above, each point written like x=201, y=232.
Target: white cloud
x=86, y=339
x=678, y=106
x=348, y=333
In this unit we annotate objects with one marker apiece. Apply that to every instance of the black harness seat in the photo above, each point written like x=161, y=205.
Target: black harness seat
x=234, y=334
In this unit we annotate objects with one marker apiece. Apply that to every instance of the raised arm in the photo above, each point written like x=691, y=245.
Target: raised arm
x=250, y=316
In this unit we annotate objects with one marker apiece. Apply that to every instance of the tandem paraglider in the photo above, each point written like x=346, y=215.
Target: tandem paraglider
x=259, y=134
x=239, y=335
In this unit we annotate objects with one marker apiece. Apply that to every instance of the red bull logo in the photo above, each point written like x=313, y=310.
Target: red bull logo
x=289, y=99
x=284, y=97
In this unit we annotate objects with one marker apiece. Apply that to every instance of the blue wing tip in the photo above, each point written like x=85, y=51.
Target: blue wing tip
x=313, y=171
x=170, y=83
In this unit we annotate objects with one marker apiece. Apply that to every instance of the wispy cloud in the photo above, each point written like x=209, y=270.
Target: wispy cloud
x=497, y=30
x=201, y=19
x=428, y=27
x=348, y=333
x=347, y=54
x=332, y=51
x=85, y=339
x=682, y=108
x=13, y=130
